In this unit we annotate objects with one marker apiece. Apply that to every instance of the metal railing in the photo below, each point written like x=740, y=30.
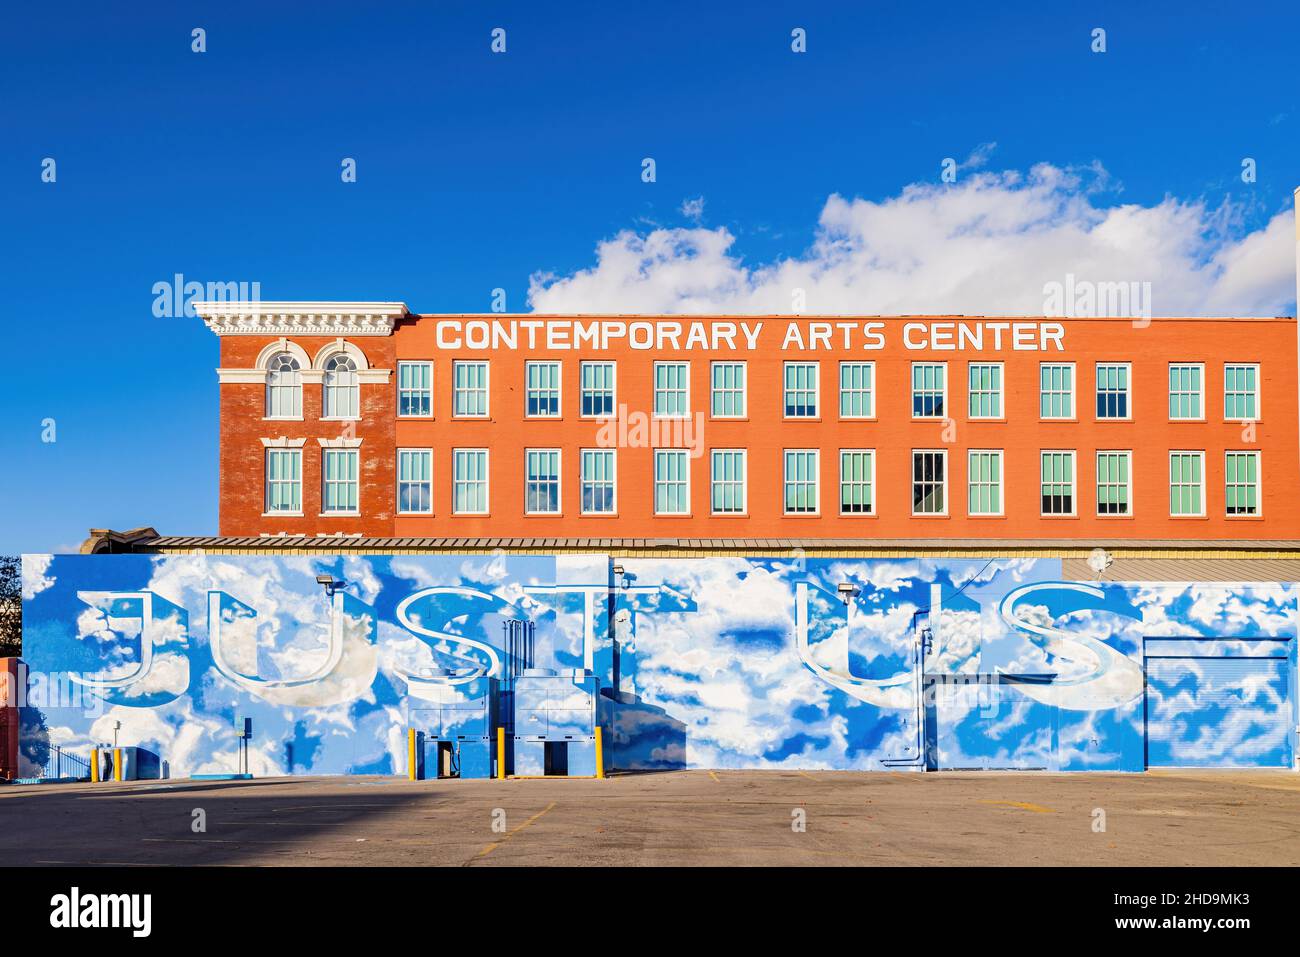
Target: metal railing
x=64, y=765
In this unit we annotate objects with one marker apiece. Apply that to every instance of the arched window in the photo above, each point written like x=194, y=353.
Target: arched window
x=283, y=387
x=342, y=394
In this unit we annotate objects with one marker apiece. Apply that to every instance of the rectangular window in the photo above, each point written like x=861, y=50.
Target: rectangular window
x=542, y=386
x=857, y=390
x=597, y=389
x=930, y=482
x=672, y=482
x=984, y=481
x=985, y=385
x=339, y=481
x=857, y=482
x=1113, y=397
x=929, y=389
x=470, y=389
x=1056, y=390
x=414, y=481
x=1241, y=478
x=1186, y=387
x=415, y=388
x=801, y=390
x=1241, y=391
x=727, y=481
x=542, y=481
x=727, y=386
x=1057, y=483
x=1114, y=483
x=469, y=483
x=672, y=390
x=801, y=481
x=598, y=488
x=284, y=481
x=1186, y=483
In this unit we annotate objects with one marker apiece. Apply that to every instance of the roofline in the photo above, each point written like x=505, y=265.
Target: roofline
x=147, y=541
x=830, y=315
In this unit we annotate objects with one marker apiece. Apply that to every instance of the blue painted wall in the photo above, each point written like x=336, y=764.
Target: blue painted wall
x=704, y=663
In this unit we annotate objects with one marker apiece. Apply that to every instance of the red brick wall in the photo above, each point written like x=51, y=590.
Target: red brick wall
x=243, y=426
x=9, y=697
x=893, y=433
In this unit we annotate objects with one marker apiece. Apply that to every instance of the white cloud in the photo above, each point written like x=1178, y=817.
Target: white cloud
x=35, y=580
x=986, y=244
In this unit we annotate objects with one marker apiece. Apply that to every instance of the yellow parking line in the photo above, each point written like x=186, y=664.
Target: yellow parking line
x=808, y=776
x=715, y=777
x=1024, y=806
x=492, y=847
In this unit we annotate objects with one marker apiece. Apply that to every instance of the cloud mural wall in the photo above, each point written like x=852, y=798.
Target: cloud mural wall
x=725, y=662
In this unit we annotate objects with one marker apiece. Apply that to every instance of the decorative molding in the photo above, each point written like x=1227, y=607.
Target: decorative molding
x=273, y=349
x=340, y=443
x=283, y=442
x=301, y=318
x=340, y=345
x=242, y=376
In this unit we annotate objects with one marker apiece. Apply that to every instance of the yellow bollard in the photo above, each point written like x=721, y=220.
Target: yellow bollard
x=117, y=764
x=94, y=765
x=600, y=754
x=501, y=754
x=412, y=769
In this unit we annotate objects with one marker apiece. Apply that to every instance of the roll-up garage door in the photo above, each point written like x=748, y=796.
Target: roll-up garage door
x=1218, y=712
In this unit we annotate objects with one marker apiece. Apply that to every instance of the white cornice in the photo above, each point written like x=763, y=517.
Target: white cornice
x=301, y=318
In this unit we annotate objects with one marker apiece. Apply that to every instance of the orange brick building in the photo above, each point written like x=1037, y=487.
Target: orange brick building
x=365, y=419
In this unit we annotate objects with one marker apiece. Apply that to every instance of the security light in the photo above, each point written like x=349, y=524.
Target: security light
x=846, y=590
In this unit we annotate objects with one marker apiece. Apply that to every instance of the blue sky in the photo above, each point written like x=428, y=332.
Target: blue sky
x=477, y=171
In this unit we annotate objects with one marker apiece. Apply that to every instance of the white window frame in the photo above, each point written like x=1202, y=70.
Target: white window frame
x=1074, y=483
x=558, y=390
x=294, y=390
x=1000, y=392
x=743, y=482
x=1199, y=393
x=1073, y=392
x=1097, y=391
x=486, y=388
x=816, y=389
x=684, y=391
x=1000, y=485
x=869, y=483
x=912, y=482
x=333, y=389
x=529, y=454
x=743, y=391
x=1169, y=474
x=1258, y=393
x=410, y=363
x=685, y=455
x=294, y=455
x=613, y=390
x=1259, y=481
x=427, y=455
x=869, y=391
x=943, y=392
x=816, y=480
x=486, y=481
x=1097, y=483
x=347, y=454
x=612, y=482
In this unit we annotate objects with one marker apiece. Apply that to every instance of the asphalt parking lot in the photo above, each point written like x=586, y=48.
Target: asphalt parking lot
x=674, y=818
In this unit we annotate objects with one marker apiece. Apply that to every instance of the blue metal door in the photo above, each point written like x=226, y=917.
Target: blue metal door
x=1219, y=712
